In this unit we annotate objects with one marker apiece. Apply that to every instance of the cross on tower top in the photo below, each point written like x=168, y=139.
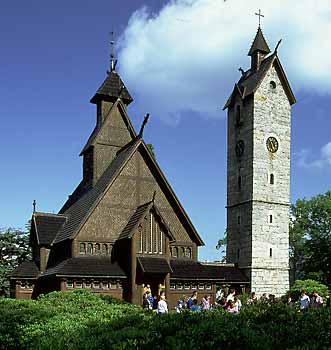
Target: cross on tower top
x=113, y=62
x=260, y=15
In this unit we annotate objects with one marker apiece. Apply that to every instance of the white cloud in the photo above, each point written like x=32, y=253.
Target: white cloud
x=305, y=158
x=185, y=58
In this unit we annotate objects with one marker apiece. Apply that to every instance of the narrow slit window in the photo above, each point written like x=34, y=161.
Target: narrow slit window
x=90, y=248
x=151, y=235
x=270, y=252
x=239, y=219
x=97, y=249
x=270, y=219
x=183, y=252
x=140, y=232
x=161, y=242
x=145, y=234
x=156, y=244
x=239, y=182
x=82, y=248
x=104, y=249
x=238, y=253
x=272, y=179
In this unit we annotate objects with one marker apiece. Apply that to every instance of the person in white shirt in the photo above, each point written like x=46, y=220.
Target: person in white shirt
x=162, y=306
x=304, y=302
x=231, y=295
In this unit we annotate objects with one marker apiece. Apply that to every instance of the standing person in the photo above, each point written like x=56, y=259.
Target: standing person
x=180, y=305
x=195, y=306
x=206, y=302
x=146, y=303
x=317, y=300
x=162, y=306
x=231, y=307
x=150, y=298
x=219, y=295
x=304, y=302
x=237, y=303
x=289, y=302
x=231, y=295
x=191, y=299
x=252, y=299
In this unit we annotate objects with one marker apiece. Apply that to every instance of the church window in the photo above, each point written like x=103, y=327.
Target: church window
x=270, y=219
x=172, y=285
x=272, y=179
x=179, y=286
x=87, y=284
x=82, y=248
x=239, y=219
x=140, y=233
x=156, y=244
x=79, y=284
x=201, y=286
x=208, y=286
x=187, y=286
x=145, y=234
x=238, y=253
x=110, y=249
x=96, y=284
x=175, y=252
x=69, y=284
x=272, y=85
x=104, y=249
x=161, y=242
x=97, y=249
x=188, y=253
x=239, y=182
x=151, y=234
x=183, y=252
x=90, y=248
x=270, y=252
x=171, y=252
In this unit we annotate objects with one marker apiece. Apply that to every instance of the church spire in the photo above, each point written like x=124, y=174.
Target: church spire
x=259, y=48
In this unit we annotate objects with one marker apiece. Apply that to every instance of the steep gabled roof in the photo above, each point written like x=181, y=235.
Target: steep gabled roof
x=27, y=269
x=259, y=44
x=112, y=88
x=79, y=212
x=118, y=104
x=138, y=216
x=47, y=226
x=87, y=266
x=154, y=265
x=251, y=80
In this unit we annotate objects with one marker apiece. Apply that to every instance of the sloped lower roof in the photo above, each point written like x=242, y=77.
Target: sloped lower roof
x=27, y=269
x=138, y=215
x=78, y=213
x=189, y=269
x=154, y=265
x=112, y=88
x=47, y=226
x=250, y=80
x=89, y=266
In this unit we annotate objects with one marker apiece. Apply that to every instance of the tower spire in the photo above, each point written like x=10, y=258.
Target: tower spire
x=113, y=61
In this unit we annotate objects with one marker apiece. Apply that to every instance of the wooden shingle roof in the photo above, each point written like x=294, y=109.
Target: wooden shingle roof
x=259, y=44
x=154, y=265
x=27, y=269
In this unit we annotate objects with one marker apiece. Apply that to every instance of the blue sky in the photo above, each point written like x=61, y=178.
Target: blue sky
x=179, y=60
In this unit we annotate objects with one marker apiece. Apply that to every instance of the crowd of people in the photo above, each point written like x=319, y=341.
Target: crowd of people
x=230, y=302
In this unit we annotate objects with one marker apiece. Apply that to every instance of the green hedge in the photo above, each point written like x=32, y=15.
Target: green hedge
x=80, y=320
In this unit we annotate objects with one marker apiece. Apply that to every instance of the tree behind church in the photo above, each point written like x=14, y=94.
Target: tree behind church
x=310, y=238
x=14, y=248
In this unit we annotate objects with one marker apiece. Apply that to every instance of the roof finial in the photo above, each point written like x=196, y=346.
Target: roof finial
x=276, y=48
x=143, y=125
x=113, y=62
x=34, y=205
x=260, y=15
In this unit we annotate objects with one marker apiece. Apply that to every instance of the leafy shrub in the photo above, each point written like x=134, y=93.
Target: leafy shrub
x=81, y=320
x=309, y=286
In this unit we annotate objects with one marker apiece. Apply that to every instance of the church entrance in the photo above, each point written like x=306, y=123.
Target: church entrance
x=155, y=283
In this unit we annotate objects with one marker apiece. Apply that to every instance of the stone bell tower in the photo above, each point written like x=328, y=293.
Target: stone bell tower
x=258, y=171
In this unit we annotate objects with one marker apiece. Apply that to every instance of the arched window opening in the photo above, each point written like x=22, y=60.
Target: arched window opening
x=140, y=234
x=97, y=249
x=90, y=248
x=110, y=249
x=82, y=248
x=272, y=179
x=189, y=253
x=183, y=252
x=161, y=242
x=104, y=249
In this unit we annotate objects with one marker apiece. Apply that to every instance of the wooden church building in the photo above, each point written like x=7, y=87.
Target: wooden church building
x=123, y=227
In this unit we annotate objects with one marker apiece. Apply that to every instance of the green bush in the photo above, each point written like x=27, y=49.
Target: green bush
x=81, y=320
x=307, y=285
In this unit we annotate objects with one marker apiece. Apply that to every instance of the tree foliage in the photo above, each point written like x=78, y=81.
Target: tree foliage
x=14, y=248
x=310, y=238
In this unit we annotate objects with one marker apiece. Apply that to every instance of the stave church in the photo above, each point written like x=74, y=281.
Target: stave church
x=123, y=227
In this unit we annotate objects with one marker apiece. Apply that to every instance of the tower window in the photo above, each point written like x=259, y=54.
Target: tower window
x=270, y=252
x=238, y=253
x=90, y=248
x=270, y=219
x=238, y=115
x=272, y=179
x=82, y=248
x=239, y=219
x=239, y=182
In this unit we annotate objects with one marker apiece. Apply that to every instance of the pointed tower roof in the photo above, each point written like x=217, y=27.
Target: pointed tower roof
x=111, y=89
x=259, y=44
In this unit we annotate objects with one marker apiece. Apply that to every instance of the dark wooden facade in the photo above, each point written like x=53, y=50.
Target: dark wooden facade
x=123, y=227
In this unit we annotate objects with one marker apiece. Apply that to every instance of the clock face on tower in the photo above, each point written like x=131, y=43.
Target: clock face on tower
x=272, y=144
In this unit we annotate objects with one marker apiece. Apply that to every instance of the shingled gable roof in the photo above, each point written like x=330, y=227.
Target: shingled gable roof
x=79, y=212
x=250, y=81
x=138, y=216
x=27, y=269
x=112, y=88
x=46, y=226
x=118, y=104
x=86, y=266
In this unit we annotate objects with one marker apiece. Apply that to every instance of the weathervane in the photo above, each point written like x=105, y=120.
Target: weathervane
x=260, y=15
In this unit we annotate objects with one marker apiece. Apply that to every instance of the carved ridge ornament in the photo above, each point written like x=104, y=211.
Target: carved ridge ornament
x=272, y=144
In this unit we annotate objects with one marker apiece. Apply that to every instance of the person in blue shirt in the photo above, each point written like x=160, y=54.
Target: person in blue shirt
x=195, y=306
x=191, y=299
